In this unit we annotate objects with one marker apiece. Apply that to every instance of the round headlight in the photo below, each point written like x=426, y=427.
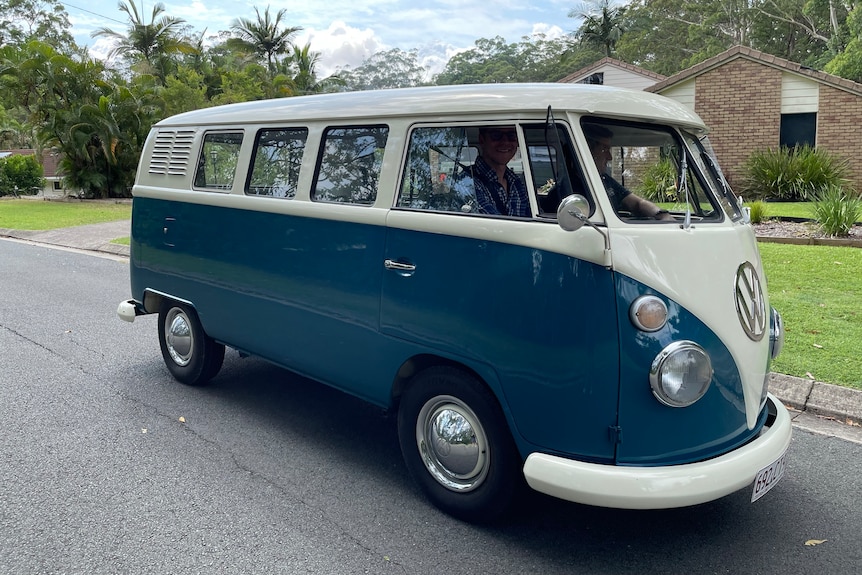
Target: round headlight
x=648, y=313
x=680, y=374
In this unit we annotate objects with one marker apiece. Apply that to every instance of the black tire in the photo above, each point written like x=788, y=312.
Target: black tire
x=474, y=474
x=192, y=357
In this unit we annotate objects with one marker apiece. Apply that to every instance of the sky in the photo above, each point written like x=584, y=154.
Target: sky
x=346, y=32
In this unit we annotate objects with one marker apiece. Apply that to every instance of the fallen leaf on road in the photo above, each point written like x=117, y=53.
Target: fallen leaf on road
x=182, y=419
x=812, y=542
x=143, y=430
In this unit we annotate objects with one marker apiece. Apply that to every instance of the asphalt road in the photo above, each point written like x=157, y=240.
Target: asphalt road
x=107, y=466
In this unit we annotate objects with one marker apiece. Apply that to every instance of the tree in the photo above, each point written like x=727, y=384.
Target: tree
x=393, y=68
x=848, y=64
x=821, y=20
x=667, y=36
x=303, y=63
x=533, y=59
x=43, y=20
x=151, y=45
x=602, y=23
x=264, y=37
x=20, y=174
x=97, y=125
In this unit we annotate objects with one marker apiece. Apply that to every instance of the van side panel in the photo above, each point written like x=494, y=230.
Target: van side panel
x=299, y=291
x=544, y=321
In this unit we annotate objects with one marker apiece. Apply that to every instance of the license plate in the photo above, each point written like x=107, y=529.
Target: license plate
x=768, y=477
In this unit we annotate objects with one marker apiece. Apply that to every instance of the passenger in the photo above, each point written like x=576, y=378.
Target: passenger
x=498, y=190
x=599, y=140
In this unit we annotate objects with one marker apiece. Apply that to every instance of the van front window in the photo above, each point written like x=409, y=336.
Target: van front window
x=648, y=174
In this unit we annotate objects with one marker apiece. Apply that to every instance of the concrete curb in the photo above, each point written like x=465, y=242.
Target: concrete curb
x=88, y=238
x=824, y=399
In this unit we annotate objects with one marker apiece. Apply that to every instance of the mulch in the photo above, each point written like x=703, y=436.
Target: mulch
x=786, y=229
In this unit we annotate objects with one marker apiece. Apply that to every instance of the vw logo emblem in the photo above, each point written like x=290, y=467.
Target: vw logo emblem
x=750, y=303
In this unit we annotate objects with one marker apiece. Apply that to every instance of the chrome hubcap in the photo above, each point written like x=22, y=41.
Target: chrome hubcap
x=179, y=337
x=452, y=443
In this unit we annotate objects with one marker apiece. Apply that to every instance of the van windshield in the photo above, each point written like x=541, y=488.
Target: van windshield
x=650, y=163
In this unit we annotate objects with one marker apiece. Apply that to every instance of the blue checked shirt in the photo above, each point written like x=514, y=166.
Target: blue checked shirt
x=490, y=196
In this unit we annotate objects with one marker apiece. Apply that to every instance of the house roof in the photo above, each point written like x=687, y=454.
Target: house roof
x=762, y=58
x=595, y=66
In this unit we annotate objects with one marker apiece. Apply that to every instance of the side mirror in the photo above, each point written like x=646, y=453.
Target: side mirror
x=573, y=212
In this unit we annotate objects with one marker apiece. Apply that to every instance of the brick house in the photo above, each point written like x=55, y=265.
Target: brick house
x=752, y=100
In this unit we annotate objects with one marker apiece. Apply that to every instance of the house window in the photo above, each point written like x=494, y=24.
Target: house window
x=598, y=79
x=798, y=129
x=57, y=185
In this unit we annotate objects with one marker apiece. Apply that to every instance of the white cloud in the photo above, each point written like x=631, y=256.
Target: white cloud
x=340, y=45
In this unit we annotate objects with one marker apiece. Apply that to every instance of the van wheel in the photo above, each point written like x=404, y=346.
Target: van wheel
x=191, y=355
x=456, y=444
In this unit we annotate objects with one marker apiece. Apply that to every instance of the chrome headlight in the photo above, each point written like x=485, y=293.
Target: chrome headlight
x=776, y=334
x=680, y=374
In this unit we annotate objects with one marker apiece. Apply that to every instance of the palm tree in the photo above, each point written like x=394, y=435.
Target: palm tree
x=304, y=62
x=265, y=37
x=150, y=43
x=602, y=25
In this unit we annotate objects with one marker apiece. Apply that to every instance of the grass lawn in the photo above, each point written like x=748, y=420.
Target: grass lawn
x=789, y=210
x=42, y=215
x=817, y=291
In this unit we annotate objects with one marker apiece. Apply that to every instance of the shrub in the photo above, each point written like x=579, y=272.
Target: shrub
x=792, y=174
x=757, y=211
x=836, y=211
x=659, y=181
x=21, y=175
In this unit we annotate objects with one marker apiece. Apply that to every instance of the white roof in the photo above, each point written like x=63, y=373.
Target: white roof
x=447, y=100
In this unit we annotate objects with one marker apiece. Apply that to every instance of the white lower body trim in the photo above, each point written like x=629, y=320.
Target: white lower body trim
x=660, y=487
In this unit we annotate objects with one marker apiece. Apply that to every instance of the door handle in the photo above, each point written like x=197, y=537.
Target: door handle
x=398, y=266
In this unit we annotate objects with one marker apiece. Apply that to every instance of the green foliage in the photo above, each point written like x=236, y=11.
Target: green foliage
x=266, y=37
x=603, y=24
x=792, y=174
x=185, y=91
x=836, y=211
x=536, y=59
x=148, y=46
x=21, y=175
x=757, y=211
x=660, y=181
x=848, y=63
x=393, y=68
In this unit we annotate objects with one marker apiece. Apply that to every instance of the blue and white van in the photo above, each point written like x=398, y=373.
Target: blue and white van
x=603, y=355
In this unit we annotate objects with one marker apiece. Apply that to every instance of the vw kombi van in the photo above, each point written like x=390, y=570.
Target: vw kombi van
x=605, y=351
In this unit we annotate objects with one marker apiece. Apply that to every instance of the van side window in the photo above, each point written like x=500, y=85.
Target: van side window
x=350, y=163
x=554, y=167
x=218, y=160
x=277, y=159
x=437, y=158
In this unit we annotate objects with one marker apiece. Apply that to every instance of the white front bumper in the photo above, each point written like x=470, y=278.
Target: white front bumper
x=660, y=487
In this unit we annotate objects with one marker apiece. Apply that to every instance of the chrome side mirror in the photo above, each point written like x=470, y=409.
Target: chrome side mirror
x=573, y=212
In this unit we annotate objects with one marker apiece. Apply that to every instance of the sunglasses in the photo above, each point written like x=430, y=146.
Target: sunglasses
x=500, y=135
